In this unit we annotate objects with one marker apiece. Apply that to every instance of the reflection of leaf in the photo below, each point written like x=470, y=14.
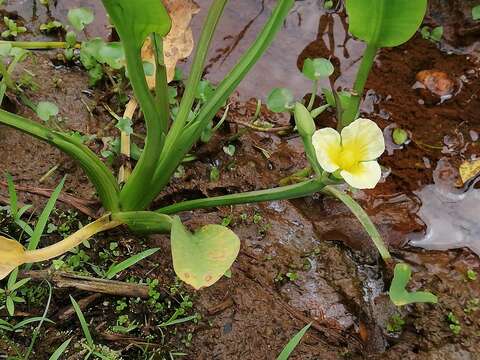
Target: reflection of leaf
x=202, y=258
x=398, y=292
x=178, y=44
x=468, y=170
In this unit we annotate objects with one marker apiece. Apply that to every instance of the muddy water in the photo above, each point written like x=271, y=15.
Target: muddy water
x=341, y=286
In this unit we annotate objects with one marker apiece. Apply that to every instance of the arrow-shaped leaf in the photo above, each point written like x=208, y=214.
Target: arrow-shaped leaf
x=398, y=292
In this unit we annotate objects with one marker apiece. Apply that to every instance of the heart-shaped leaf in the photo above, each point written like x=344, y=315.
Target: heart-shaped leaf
x=12, y=255
x=202, y=258
x=135, y=20
x=385, y=23
x=398, y=292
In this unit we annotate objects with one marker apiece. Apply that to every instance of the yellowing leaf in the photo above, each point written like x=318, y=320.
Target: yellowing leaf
x=178, y=44
x=468, y=170
x=202, y=258
x=12, y=255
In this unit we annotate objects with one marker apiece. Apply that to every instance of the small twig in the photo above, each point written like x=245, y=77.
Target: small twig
x=81, y=205
x=63, y=279
x=261, y=129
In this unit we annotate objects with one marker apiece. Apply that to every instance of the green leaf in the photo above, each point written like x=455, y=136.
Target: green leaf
x=293, y=343
x=135, y=20
x=205, y=90
x=436, y=34
x=201, y=259
x=10, y=306
x=117, y=268
x=83, y=323
x=45, y=215
x=19, y=284
x=80, y=17
x=125, y=125
x=476, y=13
x=5, y=49
x=315, y=69
x=12, y=196
x=399, y=136
x=280, y=100
x=385, y=23
x=398, y=292
x=46, y=110
x=60, y=350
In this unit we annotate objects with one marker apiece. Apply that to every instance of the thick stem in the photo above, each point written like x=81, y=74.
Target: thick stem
x=313, y=96
x=366, y=65
x=60, y=248
x=281, y=193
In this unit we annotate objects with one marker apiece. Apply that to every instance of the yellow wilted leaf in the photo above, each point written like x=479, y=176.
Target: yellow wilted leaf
x=178, y=44
x=12, y=255
x=468, y=170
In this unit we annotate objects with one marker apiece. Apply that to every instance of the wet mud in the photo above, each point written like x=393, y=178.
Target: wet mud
x=339, y=283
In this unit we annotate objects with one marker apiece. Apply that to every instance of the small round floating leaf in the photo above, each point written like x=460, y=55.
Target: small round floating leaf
x=316, y=69
x=80, y=17
x=280, y=100
x=46, y=110
x=202, y=258
x=399, y=136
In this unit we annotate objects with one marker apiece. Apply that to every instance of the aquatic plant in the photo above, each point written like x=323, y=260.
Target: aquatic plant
x=201, y=258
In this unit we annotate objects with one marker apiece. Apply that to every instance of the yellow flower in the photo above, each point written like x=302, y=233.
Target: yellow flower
x=354, y=153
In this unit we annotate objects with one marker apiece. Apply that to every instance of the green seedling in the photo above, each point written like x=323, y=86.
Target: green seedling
x=9, y=295
x=434, y=35
x=395, y=324
x=293, y=343
x=51, y=26
x=398, y=292
x=13, y=30
x=328, y=4
x=400, y=136
x=454, y=323
x=476, y=13
x=472, y=275
x=47, y=110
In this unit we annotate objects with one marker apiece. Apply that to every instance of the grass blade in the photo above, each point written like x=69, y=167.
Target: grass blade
x=293, y=343
x=44, y=216
x=12, y=194
x=60, y=350
x=117, y=268
x=83, y=323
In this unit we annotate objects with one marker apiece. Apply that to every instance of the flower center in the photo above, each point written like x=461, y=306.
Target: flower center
x=348, y=158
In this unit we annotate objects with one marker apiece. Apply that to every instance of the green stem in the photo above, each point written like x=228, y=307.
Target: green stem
x=99, y=174
x=314, y=95
x=316, y=112
x=161, y=83
x=193, y=131
x=350, y=114
x=364, y=219
x=299, y=190
x=36, y=45
x=137, y=186
x=312, y=156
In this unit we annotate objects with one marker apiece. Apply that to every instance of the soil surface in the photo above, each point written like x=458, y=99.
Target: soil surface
x=305, y=260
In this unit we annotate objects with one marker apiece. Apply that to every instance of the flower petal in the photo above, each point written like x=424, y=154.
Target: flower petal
x=364, y=138
x=327, y=144
x=365, y=175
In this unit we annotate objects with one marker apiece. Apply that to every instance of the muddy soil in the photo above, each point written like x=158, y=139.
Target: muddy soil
x=339, y=284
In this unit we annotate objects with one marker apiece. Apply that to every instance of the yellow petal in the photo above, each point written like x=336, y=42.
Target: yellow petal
x=365, y=175
x=364, y=138
x=327, y=144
